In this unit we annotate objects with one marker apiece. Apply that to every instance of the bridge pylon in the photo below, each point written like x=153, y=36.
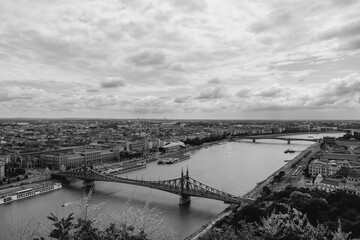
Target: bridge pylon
x=88, y=184
x=288, y=141
x=184, y=183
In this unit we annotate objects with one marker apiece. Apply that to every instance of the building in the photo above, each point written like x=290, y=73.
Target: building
x=325, y=167
x=336, y=156
x=2, y=170
x=354, y=176
x=57, y=161
x=53, y=160
x=172, y=147
x=137, y=146
x=5, y=158
x=73, y=161
x=329, y=185
x=107, y=156
x=91, y=157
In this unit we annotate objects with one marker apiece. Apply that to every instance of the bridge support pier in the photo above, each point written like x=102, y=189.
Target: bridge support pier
x=288, y=141
x=88, y=184
x=184, y=200
x=254, y=140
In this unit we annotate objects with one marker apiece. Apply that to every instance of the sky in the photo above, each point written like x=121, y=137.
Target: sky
x=180, y=59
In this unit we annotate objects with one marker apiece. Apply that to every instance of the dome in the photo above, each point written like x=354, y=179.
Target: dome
x=354, y=173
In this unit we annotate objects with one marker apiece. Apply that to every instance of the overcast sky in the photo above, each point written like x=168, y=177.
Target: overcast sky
x=218, y=59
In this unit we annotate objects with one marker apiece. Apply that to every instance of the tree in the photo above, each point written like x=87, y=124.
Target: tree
x=265, y=191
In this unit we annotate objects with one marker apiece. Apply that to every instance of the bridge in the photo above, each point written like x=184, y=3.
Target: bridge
x=185, y=186
x=289, y=140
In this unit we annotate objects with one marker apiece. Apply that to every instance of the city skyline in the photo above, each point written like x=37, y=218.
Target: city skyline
x=180, y=59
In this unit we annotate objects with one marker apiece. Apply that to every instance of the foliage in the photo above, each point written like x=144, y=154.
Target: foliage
x=62, y=227
x=66, y=229
x=294, y=214
x=212, y=138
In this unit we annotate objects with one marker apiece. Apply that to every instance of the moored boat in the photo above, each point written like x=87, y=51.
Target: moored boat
x=290, y=150
x=126, y=168
x=172, y=160
x=29, y=192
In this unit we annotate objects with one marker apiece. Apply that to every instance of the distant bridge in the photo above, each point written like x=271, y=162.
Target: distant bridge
x=184, y=186
x=289, y=140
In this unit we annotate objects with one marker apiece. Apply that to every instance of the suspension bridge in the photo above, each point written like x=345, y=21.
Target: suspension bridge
x=184, y=186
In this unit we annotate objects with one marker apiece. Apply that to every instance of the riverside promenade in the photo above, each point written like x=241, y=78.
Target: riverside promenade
x=300, y=160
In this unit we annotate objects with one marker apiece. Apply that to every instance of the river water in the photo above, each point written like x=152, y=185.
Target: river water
x=234, y=167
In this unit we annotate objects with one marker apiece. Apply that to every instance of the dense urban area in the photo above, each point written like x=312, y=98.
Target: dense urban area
x=33, y=149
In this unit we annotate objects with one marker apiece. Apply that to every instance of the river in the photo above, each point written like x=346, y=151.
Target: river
x=234, y=167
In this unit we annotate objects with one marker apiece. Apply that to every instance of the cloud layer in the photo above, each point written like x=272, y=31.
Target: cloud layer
x=180, y=59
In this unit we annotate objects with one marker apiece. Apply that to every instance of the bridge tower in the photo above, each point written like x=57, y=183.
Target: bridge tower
x=288, y=140
x=184, y=182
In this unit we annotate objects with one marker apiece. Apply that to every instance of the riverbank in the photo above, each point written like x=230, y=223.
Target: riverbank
x=300, y=159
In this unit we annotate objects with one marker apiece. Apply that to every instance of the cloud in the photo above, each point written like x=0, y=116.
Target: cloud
x=344, y=30
x=189, y=5
x=243, y=92
x=148, y=58
x=112, y=82
x=258, y=49
x=178, y=67
x=215, y=80
x=269, y=92
x=213, y=93
x=182, y=99
x=336, y=93
x=341, y=87
x=15, y=93
x=91, y=90
x=275, y=19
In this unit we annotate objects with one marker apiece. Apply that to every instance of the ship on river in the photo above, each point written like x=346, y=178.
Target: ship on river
x=29, y=192
x=126, y=168
x=290, y=150
x=172, y=160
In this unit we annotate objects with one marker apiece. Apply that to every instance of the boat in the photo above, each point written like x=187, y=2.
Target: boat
x=126, y=168
x=310, y=137
x=29, y=192
x=168, y=160
x=63, y=205
x=172, y=160
x=290, y=150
